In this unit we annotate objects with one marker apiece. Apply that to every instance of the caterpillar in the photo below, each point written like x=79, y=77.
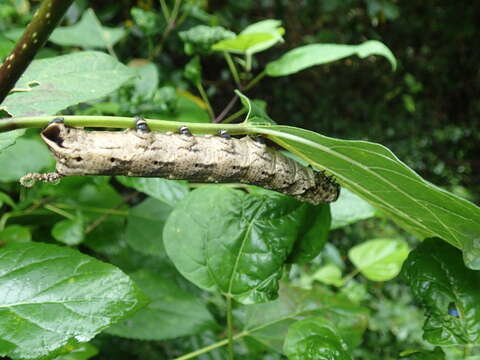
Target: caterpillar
x=199, y=158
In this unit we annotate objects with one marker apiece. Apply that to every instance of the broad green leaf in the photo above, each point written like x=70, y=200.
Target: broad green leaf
x=315, y=339
x=168, y=191
x=307, y=56
x=87, y=33
x=244, y=43
x=436, y=354
x=6, y=46
x=52, y=296
x=329, y=274
x=145, y=226
x=268, y=323
x=269, y=26
x=78, y=352
x=379, y=259
x=55, y=83
x=187, y=110
x=8, y=138
x=199, y=39
x=236, y=243
x=150, y=22
x=172, y=311
x=25, y=156
x=374, y=173
x=70, y=231
x=447, y=290
x=15, y=233
x=349, y=209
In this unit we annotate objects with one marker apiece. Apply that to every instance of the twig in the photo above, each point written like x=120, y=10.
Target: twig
x=225, y=111
x=44, y=21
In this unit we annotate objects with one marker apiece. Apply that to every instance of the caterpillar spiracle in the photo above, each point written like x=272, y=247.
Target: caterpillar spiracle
x=199, y=158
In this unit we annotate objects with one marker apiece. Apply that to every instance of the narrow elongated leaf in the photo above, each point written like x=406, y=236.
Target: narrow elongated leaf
x=225, y=240
x=316, y=54
x=379, y=259
x=315, y=339
x=350, y=208
x=8, y=139
x=374, y=173
x=52, y=296
x=447, y=290
x=79, y=352
x=172, y=311
x=268, y=323
x=27, y=155
x=168, y=191
x=55, y=83
x=436, y=354
x=244, y=43
x=145, y=226
x=87, y=33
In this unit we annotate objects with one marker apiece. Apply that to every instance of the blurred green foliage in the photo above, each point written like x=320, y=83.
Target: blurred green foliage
x=427, y=112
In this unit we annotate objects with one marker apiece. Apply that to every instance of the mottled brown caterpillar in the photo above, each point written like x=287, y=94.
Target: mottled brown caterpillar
x=205, y=158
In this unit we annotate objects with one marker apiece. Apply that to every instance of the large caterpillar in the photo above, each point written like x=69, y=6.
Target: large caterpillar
x=204, y=158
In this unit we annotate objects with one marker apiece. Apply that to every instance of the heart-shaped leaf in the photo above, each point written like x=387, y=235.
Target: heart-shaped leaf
x=236, y=243
x=52, y=296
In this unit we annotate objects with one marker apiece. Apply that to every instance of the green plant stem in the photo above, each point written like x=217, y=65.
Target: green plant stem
x=165, y=10
x=204, y=96
x=233, y=68
x=59, y=211
x=234, y=116
x=92, y=209
x=255, y=80
x=172, y=18
x=44, y=21
x=122, y=122
x=248, y=63
x=231, y=355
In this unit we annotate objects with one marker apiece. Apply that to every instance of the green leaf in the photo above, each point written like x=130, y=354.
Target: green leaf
x=436, y=354
x=27, y=155
x=79, y=352
x=225, y=240
x=447, y=290
x=199, y=39
x=193, y=71
x=87, y=33
x=172, y=311
x=379, y=259
x=374, y=173
x=52, y=296
x=269, y=26
x=168, y=191
x=313, y=234
x=307, y=56
x=315, y=339
x=245, y=43
x=5, y=199
x=149, y=22
x=145, y=226
x=15, y=233
x=329, y=274
x=349, y=209
x=8, y=139
x=268, y=323
x=56, y=83
x=70, y=231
